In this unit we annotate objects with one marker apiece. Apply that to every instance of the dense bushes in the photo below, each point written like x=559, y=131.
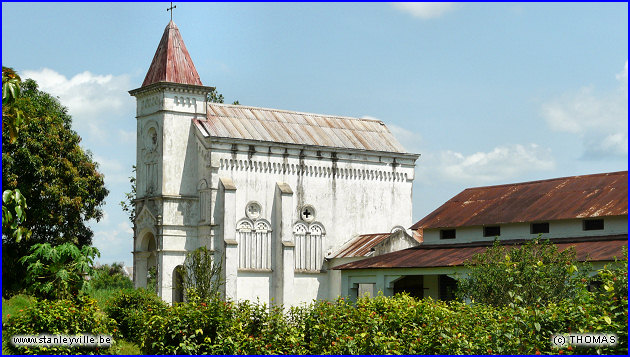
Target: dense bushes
x=110, y=277
x=131, y=308
x=381, y=325
x=398, y=325
x=533, y=273
x=66, y=317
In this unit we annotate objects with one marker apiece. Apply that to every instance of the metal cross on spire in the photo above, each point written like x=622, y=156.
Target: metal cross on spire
x=171, y=10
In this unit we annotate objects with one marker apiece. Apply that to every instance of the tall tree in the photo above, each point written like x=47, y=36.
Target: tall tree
x=13, y=202
x=59, y=180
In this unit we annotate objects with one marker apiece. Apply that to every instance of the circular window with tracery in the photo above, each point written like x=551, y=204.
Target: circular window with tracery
x=307, y=213
x=253, y=210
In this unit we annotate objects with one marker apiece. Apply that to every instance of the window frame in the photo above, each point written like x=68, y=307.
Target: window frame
x=486, y=228
x=444, y=231
x=538, y=224
x=587, y=222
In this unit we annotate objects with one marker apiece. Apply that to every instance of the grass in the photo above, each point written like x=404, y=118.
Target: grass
x=19, y=302
x=13, y=305
x=102, y=297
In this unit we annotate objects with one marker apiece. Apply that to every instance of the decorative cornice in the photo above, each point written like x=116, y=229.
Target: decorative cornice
x=311, y=170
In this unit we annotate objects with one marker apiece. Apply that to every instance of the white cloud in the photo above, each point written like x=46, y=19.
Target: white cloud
x=500, y=164
x=115, y=172
x=127, y=137
x=91, y=99
x=425, y=10
x=408, y=139
x=116, y=244
x=599, y=119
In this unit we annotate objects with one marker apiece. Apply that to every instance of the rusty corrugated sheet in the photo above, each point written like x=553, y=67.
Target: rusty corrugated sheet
x=601, y=248
x=361, y=246
x=273, y=125
x=171, y=62
x=561, y=198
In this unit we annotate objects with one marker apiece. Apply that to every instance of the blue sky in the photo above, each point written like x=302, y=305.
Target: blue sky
x=487, y=93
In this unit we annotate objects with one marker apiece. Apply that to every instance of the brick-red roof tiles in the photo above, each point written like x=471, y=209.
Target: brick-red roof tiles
x=573, y=197
x=601, y=248
x=171, y=62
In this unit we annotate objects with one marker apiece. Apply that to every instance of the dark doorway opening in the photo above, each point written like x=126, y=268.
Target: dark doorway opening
x=447, y=287
x=411, y=284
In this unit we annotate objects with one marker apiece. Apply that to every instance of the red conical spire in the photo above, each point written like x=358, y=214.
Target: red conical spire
x=172, y=62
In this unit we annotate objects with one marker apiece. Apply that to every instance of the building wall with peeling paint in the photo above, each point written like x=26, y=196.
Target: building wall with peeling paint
x=236, y=196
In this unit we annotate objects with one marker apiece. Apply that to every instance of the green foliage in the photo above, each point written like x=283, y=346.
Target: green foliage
x=16, y=305
x=68, y=317
x=59, y=272
x=13, y=215
x=216, y=97
x=152, y=279
x=534, y=273
x=201, y=276
x=219, y=327
x=12, y=116
x=384, y=325
x=13, y=203
x=128, y=204
x=132, y=309
x=110, y=277
x=58, y=178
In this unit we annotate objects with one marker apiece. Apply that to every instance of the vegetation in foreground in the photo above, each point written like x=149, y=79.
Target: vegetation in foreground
x=380, y=325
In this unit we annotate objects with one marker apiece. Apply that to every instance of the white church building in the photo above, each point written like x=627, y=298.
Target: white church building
x=276, y=195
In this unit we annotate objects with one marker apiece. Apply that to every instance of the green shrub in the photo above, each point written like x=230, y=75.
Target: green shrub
x=219, y=327
x=108, y=277
x=534, y=273
x=58, y=272
x=131, y=309
x=16, y=305
x=66, y=317
x=383, y=325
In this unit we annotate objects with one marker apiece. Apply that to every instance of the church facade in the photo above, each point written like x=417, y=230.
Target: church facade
x=274, y=194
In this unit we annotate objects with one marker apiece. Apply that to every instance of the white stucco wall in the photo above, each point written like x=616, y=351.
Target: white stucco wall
x=254, y=286
x=354, y=200
x=352, y=191
x=557, y=229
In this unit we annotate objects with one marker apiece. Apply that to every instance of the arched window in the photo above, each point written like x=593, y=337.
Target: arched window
x=178, y=284
x=308, y=246
x=254, y=244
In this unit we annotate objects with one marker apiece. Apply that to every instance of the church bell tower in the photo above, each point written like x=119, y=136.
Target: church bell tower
x=170, y=97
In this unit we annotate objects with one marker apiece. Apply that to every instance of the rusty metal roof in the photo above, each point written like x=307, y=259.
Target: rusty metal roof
x=282, y=126
x=171, y=62
x=361, y=246
x=560, y=198
x=601, y=248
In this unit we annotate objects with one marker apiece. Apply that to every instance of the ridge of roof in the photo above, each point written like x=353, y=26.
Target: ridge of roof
x=546, y=180
x=172, y=62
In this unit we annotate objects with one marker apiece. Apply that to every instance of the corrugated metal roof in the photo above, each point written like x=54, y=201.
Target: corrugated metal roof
x=273, y=125
x=602, y=248
x=561, y=198
x=171, y=62
x=361, y=246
